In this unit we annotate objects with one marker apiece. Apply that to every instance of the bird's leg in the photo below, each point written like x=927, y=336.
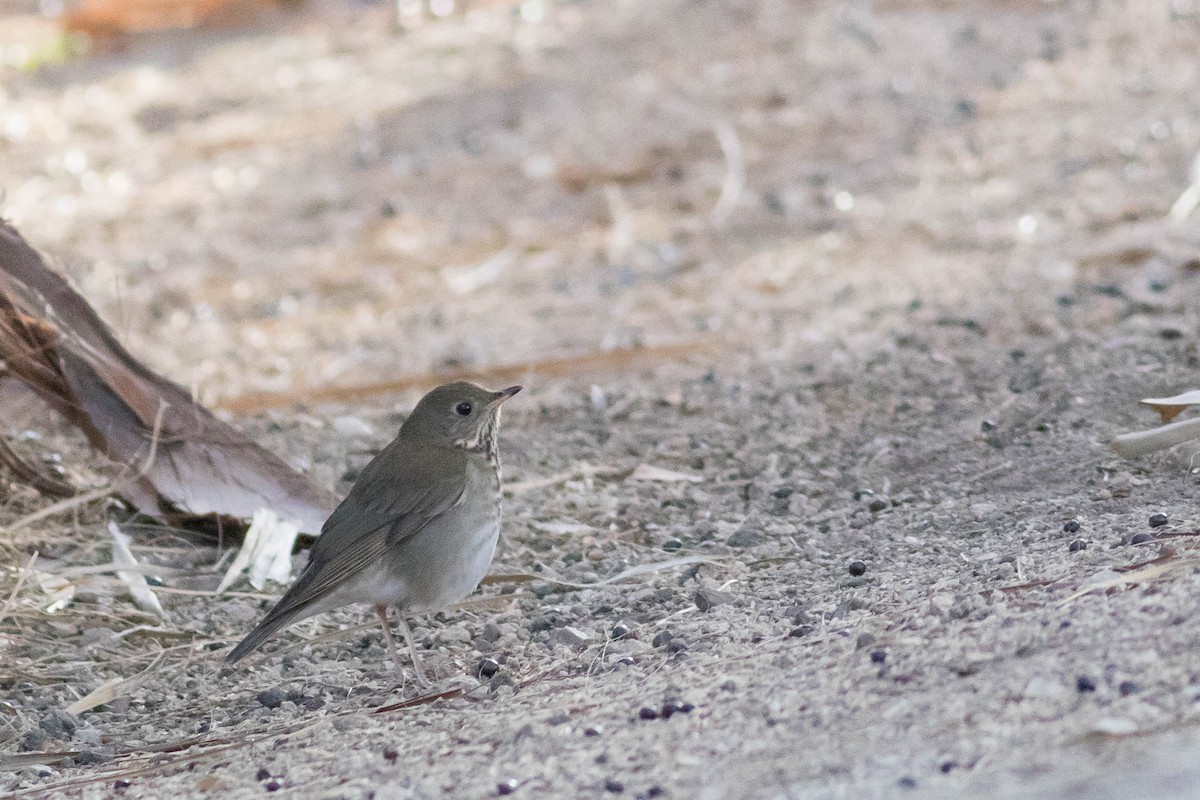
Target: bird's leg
x=412, y=648
x=381, y=610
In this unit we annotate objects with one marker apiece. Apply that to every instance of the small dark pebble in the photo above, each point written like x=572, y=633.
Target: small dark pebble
x=1076, y=545
x=661, y=638
x=620, y=630
x=744, y=536
x=488, y=668
x=1158, y=520
x=559, y=719
x=948, y=766
x=271, y=698
x=89, y=757
x=706, y=599
x=655, y=791
x=1084, y=684
x=646, y=712
x=1071, y=526
x=59, y=724
x=671, y=545
x=857, y=568
x=800, y=632
x=878, y=656
x=877, y=504
x=593, y=730
x=907, y=782
x=669, y=708
x=1127, y=688
x=273, y=786
x=729, y=686
x=121, y=784
x=676, y=646
x=34, y=740
x=1141, y=538
x=262, y=774
x=506, y=787
x=987, y=425
x=864, y=641
x=390, y=755
x=614, y=786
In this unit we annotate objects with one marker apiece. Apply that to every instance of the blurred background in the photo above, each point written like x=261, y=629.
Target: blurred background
x=267, y=198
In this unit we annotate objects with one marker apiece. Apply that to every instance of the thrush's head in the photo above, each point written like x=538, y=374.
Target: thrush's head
x=458, y=415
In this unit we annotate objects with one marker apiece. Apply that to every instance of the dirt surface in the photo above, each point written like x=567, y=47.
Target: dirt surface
x=877, y=283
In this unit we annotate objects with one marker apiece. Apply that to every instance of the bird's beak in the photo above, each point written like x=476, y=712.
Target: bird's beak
x=502, y=395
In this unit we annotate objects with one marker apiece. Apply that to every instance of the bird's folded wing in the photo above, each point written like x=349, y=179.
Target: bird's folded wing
x=381, y=511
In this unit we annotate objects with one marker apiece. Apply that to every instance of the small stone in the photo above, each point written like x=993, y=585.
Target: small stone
x=593, y=730
x=1114, y=726
x=857, y=568
x=89, y=757
x=706, y=599
x=559, y=719
x=907, y=782
x=571, y=637
x=270, y=698
x=877, y=504
x=488, y=668
x=36, y=739
x=614, y=786
x=58, y=724
x=676, y=646
x=729, y=685
x=646, y=712
x=987, y=425
x=661, y=638
x=1077, y=545
x=1071, y=526
x=655, y=791
x=506, y=787
x=1084, y=684
x=672, y=544
x=800, y=631
x=745, y=536
x=352, y=426
x=1141, y=538
x=262, y=774
x=620, y=630
x=669, y=708
x=1158, y=520
x=272, y=786
x=121, y=784
x=863, y=641
x=390, y=755
x=878, y=656
x=1127, y=688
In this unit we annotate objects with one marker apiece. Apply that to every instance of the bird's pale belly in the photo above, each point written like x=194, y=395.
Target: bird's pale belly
x=437, y=567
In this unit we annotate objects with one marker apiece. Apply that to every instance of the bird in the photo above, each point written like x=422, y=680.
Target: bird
x=418, y=528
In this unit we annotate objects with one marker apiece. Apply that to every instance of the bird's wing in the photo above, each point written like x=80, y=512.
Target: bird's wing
x=394, y=497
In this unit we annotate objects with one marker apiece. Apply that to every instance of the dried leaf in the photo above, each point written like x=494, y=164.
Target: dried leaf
x=110, y=690
x=134, y=581
x=1160, y=438
x=646, y=472
x=53, y=341
x=266, y=550
x=1170, y=407
x=59, y=590
x=1145, y=575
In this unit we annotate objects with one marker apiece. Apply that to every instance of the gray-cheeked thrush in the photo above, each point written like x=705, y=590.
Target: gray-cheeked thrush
x=419, y=527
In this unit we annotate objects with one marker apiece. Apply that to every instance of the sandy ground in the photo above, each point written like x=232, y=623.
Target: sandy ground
x=901, y=333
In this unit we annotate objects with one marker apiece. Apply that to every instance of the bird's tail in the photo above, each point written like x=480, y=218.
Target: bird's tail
x=271, y=625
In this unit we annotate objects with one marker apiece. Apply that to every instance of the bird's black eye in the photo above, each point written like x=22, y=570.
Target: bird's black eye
x=463, y=409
